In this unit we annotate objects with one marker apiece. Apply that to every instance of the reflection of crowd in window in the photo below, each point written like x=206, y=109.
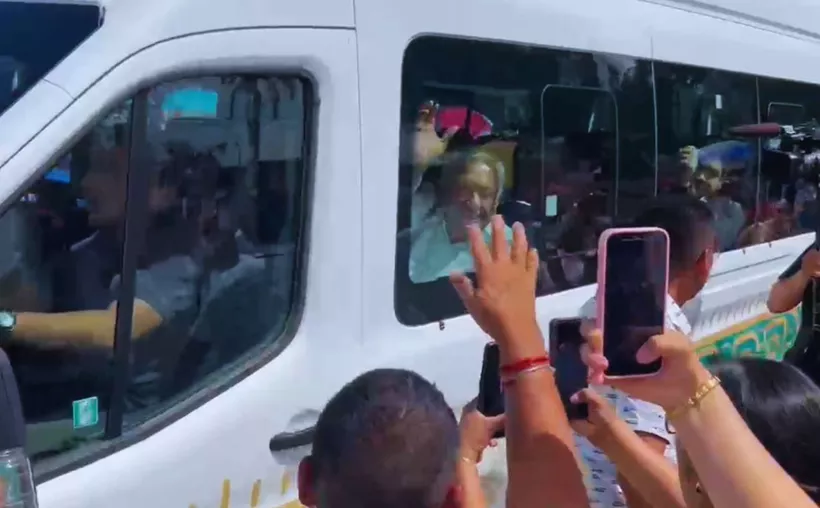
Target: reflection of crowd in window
x=212, y=263
x=464, y=172
x=577, y=145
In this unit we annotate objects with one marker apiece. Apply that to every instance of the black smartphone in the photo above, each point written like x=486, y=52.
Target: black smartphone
x=490, y=395
x=632, y=287
x=571, y=374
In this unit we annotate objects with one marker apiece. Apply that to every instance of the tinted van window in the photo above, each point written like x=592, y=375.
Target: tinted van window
x=35, y=37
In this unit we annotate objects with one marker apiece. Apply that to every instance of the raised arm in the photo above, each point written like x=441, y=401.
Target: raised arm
x=543, y=468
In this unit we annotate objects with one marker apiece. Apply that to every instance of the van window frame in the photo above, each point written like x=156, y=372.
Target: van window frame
x=115, y=439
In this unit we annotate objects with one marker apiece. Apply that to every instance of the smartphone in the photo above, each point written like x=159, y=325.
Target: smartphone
x=490, y=395
x=633, y=275
x=571, y=374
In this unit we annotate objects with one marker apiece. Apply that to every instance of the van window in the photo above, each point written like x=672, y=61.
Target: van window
x=35, y=36
x=561, y=141
x=214, y=276
x=790, y=163
x=570, y=143
x=697, y=112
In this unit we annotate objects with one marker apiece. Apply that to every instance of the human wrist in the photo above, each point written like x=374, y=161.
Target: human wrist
x=469, y=454
x=520, y=341
x=608, y=436
x=699, y=419
x=694, y=378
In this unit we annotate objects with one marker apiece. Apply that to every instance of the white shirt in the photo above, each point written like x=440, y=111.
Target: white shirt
x=600, y=476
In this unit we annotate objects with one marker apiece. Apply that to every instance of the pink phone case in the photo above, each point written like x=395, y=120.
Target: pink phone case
x=602, y=262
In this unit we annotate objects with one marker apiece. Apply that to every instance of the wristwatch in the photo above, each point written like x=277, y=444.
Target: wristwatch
x=8, y=320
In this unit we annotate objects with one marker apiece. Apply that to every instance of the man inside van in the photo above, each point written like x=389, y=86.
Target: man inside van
x=692, y=242
x=88, y=279
x=795, y=286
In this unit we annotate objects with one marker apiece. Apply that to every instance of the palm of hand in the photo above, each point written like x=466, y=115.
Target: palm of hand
x=427, y=145
x=505, y=299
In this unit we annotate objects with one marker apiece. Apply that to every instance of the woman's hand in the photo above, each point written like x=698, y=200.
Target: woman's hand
x=477, y=432
x=592, y=352
x=503, y=303
x=427, y=144
x=601, y=420
x=680, y=375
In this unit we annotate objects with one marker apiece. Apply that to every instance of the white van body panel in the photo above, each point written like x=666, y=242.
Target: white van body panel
x=168, y=468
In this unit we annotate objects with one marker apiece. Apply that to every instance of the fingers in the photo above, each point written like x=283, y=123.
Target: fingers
x=519, y=250
x=464, y=288
x=593, y=338
x=596, y=365
x=587, y=396
x=496, y=423
x=670, y=344
x=592, y=352
x=448, y=134
x=500, y=246
x=471, y=406
x=533, y=262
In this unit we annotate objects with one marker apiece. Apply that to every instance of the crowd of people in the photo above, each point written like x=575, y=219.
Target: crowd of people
x=737, y=434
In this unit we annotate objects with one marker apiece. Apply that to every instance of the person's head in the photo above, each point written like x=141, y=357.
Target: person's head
x=781, y=406
x=387, y=439
x=692, y=242
x=783, y=217
x=706, y=182
x=104, y=186
x=469, y=191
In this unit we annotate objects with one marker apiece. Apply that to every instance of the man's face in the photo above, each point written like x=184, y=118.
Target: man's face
x=104, y=190
x=473, y=200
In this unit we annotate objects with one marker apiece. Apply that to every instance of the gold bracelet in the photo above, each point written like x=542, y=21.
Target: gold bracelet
x=694, y=401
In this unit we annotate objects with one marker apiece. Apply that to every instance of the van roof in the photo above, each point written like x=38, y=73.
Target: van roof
x=798, y=18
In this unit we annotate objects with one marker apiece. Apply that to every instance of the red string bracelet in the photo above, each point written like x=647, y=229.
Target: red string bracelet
x=512, y=379
x=516, y=367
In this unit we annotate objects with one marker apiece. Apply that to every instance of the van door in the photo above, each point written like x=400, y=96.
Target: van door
x=186, y=184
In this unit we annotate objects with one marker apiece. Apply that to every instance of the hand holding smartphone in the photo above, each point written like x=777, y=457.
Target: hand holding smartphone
x=633, y=277
x=490, y=395
x=570, y=371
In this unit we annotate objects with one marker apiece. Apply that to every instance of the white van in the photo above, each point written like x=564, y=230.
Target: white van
x=208, y=206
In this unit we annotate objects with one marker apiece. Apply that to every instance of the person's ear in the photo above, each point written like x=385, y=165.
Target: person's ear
x=306, y=482
x=703, y=266
x=454, y=497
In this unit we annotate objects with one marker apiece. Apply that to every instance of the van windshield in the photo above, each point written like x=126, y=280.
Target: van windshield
x=35, y=36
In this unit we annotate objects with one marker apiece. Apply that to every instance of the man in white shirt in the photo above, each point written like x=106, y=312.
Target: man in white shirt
x=692, y=240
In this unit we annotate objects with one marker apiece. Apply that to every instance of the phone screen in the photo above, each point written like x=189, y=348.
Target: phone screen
x=634, y=299
x=570, y=371
x=490, y=395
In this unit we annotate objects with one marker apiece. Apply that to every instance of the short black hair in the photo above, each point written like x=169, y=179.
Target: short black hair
x=781, y=406
x=387, y=439
x=688, y=221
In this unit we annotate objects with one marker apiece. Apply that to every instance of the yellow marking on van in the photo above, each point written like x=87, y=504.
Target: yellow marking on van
x=287, y=478
x=226, y=494
x=255, y=492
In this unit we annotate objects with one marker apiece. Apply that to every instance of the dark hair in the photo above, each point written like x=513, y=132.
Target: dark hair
x=689, y=223
x=387, y=439
x=781, y=406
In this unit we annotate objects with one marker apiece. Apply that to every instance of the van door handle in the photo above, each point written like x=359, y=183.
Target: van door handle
x=287, y=440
